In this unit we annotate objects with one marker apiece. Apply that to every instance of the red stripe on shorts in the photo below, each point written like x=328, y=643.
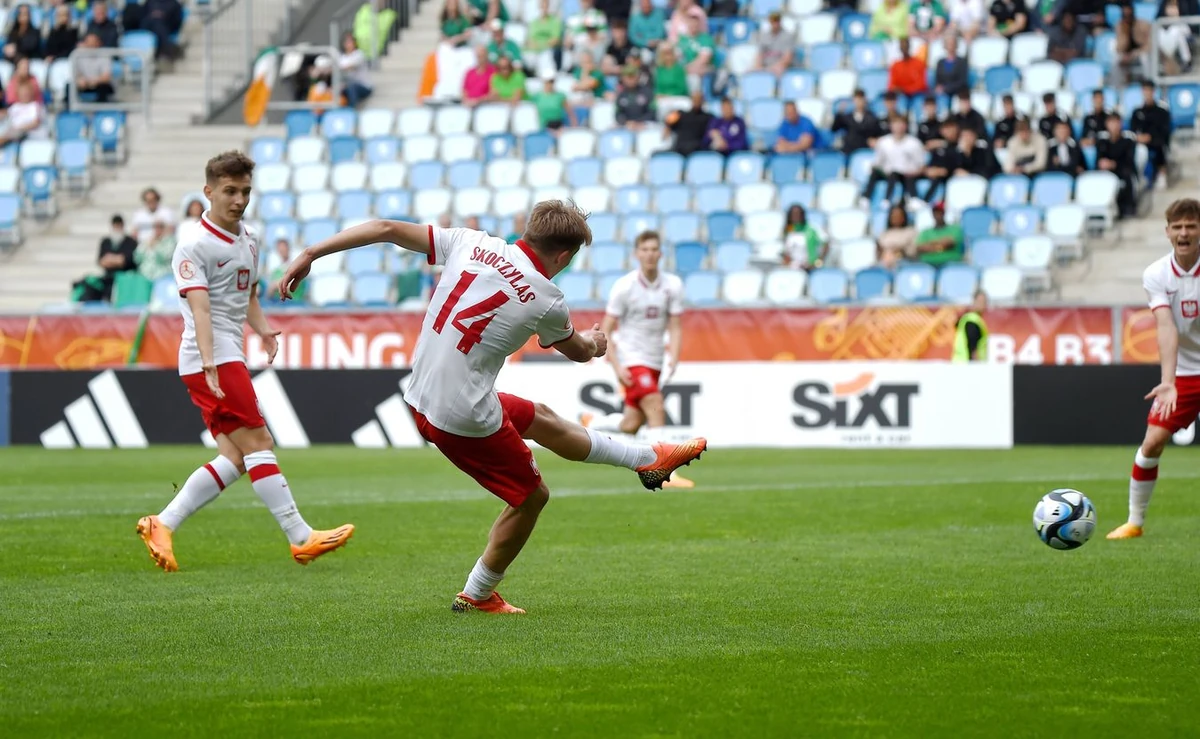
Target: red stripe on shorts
x=1144, y=474
x=212, y=471
x=263, y=470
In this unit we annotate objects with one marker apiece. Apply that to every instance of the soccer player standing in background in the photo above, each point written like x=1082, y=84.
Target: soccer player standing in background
x=216, y=270
x=1173, y=288
x=645, y=305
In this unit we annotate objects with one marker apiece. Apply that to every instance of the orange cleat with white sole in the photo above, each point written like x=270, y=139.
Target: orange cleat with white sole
x=1125, y=531
x=322, y=542
x=157, y=538
x=668, y=458
x=680, y=482
x=464, y=603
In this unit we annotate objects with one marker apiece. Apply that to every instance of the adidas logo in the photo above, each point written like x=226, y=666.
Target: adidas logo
x=393, y=424
x=100, y=419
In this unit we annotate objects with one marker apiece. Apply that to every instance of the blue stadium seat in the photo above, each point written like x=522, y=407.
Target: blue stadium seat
x=977, y=221
x=858, y=168
x=10, y=215
x=866, y=55
x=785, y=168
x=665, y=169
x=744, y=167
x=1051, y=188
x=702, y=288
x=537, y=145
x=344, y=149
x=382, y=149
x=577, y=287
x=670, y=198
x=372, y=290
x=755, y=85
x=584, y=172
x=739, y=31
x=872, y=282
x=367, y=260
x=74, y=159
x=828, y=284
x=1082, y=76
x=604, y=226
x=957, y=282
x=499, y=146
x=853, y=26
x=632, y=198
x=1006, y=190
x=704, y=168
x=989, y=251
x=354, y=204
x=764, y=116
x=1145, y=11
x=1104, y=49
x=608, y=256
x=108, y=131
x=712, y=198
x=827, y=165
x=1089, y=157
x=1020, y=220
x=339, y=122
x=605, y=282
x=165, y=294
x=1181, y=101
x=797, y=84
x=276, y=205
x=690, y=256
x=798, y=193
x=137, y=40
x=465, y=174
x=723, y=225
x=732, y=256
x=300, y=123
x=616, y=143
x=393, y=204
x=873, y=82
x=1002, y=79
x=679, y=227
x=285, y=229
x=914, y=281
x=70, y=126
x=426, y=175
x=825, y=57
x=267, y=150
x=318, y=229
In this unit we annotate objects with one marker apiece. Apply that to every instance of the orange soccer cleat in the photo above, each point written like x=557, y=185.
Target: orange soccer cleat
x=668, y=458
x=1125, y=531
x=464, y=603
x=158, y=540
x=322, y=542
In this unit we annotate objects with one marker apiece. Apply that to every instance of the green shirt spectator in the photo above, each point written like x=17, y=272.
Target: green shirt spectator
x=452, y=27
x=551, y=107
x=670, y=80
x=154, y=258
x=942, y=243
x=508, y=84
x=647, y=27
x=507, y=48
x=479, y=9
x=889, y=21
x=924, y=14
x=544, y=33
x=601, y=83
x=690, y=46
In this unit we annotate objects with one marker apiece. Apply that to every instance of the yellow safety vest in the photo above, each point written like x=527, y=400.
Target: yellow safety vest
x=961, y=352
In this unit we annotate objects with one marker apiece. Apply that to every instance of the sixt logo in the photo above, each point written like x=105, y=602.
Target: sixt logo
x=851, y=405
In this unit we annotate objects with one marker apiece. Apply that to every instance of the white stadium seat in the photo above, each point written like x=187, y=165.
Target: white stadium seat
x=419, y=148
x=743, y=287
x=504, y=173
x=389, y=176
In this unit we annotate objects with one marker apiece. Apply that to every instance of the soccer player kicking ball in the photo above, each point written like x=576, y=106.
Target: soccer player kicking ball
x=1173, y=288
x=491, y=298
x=216, y=269
x=646, y=304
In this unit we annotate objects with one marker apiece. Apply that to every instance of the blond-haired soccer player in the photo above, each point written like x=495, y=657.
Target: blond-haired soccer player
x=491, y=299
x=216, y=270
x=1173, y=289
x=646, y=305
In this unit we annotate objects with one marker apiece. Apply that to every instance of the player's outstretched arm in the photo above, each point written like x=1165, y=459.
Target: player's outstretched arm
x=410, y=236
x=1168, y=352
x=202, y=317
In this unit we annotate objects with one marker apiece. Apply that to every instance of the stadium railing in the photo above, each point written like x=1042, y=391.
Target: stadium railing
x=1156, y=70
x=130, y=65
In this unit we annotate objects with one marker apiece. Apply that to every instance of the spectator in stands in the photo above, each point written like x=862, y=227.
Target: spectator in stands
x=26, y=117
x=154, y=255
x=890, y=110
x=898, y=240
x=927, y=19
x=152, y=210
x=908, y=74
x=552, y=107
x=951, y=74
x=485, y=11
x=1067, y=39
x=803, y=245
x=929, y=130
x=1052, y=117
x=500, y=45
x=577, y=25
x=63, y=37
x=634, y=61
x=690, y=127
x=680, y=23
x=966, y=18
x=544, y=34
x=647, y=25
x=968, y=117
x=191, y=214
x=727, y=134
x=860, y=125
x=472, y=222
x=93, y=74
x=618, y=51
x=1007, y=125
x=356, y=82
x=21, y=76
x=1007, y=18
x=1174, y=41
x=724, y=8
x=943, y=161
x=518, y=227
x=941, y=243
x=889, y=21
x=899, y=159
x=283, y=256
x=456, y=27
x=164, y=19
x=975, y=156
x=697, y=48
x=1115, y=153
x=615, y=10
x=1027, y=151
x=1097, y=120
x=507, y=84
x=102, y=25
x=1132, y=43
x=1151, y=123
x=635, y=101
x=320, y=89
x=1065, y=154
x=116, y=255
x=478, y=82
x=444, y=221
x=670, y=78
x=776, y=46
x=592, y=44
x=22, y=39
x=590, y=84
x=797, y=134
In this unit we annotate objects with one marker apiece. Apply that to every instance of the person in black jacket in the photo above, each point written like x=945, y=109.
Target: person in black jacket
x=1115, y=153
x=975, y=156
x=116, y=255
x=1152, y=124
x=1097, y=120
x=102, y=25
x=635, y=102
x=890, y=111
x=860, y=125
x=690, y=127
x=22, y=39
x=929, y=130
x=163, y=18
x=950, y=76
x=64, y=37
x=1052, y=118
x=1006, y=126
x=944, y=160
x=968, y=117
x=1065, y=155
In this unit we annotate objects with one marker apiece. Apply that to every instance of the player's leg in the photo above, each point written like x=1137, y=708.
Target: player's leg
x=507, y=538
x=651, y=405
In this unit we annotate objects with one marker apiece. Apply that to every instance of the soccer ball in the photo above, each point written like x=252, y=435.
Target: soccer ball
x=1064, y=519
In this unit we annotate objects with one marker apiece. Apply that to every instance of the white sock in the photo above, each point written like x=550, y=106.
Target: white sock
x=482, y=581
x=273, y=489
x=610, y=423
x=1141, y=487
x=202, y=488
x=618, y=453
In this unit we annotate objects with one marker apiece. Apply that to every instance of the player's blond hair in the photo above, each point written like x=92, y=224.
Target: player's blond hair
x=228, y=164
x=1184, y=209
x=557, y=225
x=648, y=235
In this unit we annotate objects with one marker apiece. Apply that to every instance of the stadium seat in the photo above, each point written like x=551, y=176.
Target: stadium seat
x=1181, y=101
x=1020, y=220
x=986, y=52
x=866, y=55
x=837, y=195
x=367, y=260
x=10, y=179
x=430, y=203
x=354, y=204
x=632, y=199
x=989, y=251
x=511, y=200
x=755, y=197
x=679, y=227
x=1026, y=49
x=616, y=143
x=576, y=143
x=577, y=287
x=797, y=84
x=713, y=198
x=339, y=122
x=856, y=254
x=459, y=147
x=300, y=123
x=348, y=176
x=957, y=283
x=419, y=148
x=452, y=120
x=732, y=256
x=604, y=227
x=818, y=28
x=1041, y=77
x=327, y=290
x=606, y=256
x=702, y=288
x=536, y=145
x=785, y=168
x=1096, y=193
x=376, y=122
x=844, y=225
x=1001, y=79
x=74, y=160
x=462, y=174
x=785, y=286
x=594, y=198
x=1007, y=190
x=164, y=295
x=1033, y=255
x=388, y=176
x=798, y=193
x=280, y=204
x=977, y=221
x=833, y=85
x=743, y=287
x=306, y=150
x=723, y=226
x=602, y=116
x=371, y=290
x=665, y=169
x=315, y=204
x=823, y=57
x=499, y=146
x=1002, y=284
x=690, y=256
x=650, y=140
x=1065, y=226
x=740, y=59
x=492, y=118
x=10, y=215
x=827, y=285
x=755, y=85
x=965, y=191
x=382, y=149
x=393, y=203
x=704, y=168
x=826, y=165
x=345, y=149
x=504, y=173
x=36, y=153
x=621, y=171
x=317, y=230
x=763, y=227
x=744, y=167
x=914, y=281
x=739, y=31
x=282, y=229
x=873, y=82
x=872, y=283
x=309, y=177
x=272, y=178
x=472, y=201
x=428, y=174
x=670, y=198
x=1053, y=188
x=1083, y=76
x=854, y=26
x=267, y=150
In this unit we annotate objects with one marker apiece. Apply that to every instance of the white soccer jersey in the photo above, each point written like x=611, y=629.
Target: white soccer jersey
x=1168, y=286
x=491, y=298
x=210, y=258
x=641, y=309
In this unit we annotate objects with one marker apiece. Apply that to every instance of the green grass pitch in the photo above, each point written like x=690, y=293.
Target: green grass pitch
x=792, y=593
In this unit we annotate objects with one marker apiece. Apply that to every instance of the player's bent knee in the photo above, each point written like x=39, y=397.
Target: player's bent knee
x=536, y=500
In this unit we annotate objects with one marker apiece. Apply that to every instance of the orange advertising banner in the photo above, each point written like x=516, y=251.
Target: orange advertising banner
x=1066, y=335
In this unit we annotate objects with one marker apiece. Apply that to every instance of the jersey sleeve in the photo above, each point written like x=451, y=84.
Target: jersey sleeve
x=555, y=325
x=1156, y=289
x=445, y=241
x=617, y=299
x=675, y=298
x=189, y=268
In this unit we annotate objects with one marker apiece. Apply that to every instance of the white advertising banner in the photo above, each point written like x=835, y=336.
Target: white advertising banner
x=801, y=404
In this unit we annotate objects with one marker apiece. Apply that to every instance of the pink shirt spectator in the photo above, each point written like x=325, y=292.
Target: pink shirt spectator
x=677, y=24
x=477, y=84
x=10, y=92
